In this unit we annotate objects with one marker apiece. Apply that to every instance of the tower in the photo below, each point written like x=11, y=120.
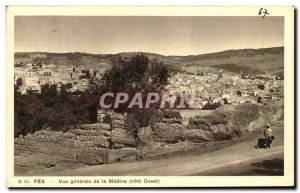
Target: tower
x=267, y=86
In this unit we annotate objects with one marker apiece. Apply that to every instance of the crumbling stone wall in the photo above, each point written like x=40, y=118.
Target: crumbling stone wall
x=44, y=149
x=171, y=135
x=91, y=144
x=109, y=142
x=123, y=144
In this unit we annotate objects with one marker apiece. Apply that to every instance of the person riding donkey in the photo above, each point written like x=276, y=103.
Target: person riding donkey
x=268, y=135
x=265, y=142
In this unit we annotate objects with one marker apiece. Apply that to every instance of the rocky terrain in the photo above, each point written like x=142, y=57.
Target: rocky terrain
x=110, y=142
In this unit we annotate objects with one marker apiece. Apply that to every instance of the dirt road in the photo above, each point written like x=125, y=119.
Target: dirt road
x=241, y=158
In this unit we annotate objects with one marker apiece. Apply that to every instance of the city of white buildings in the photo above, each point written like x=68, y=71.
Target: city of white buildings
x=221, y=87
x=31, y=77
x=213, y=86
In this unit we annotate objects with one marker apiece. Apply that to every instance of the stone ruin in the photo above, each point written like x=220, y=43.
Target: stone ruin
x=110, y=141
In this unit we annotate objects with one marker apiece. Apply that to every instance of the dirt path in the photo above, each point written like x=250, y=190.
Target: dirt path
x=238, y=159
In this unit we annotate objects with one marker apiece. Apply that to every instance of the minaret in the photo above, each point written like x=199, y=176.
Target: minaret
x=267, y=86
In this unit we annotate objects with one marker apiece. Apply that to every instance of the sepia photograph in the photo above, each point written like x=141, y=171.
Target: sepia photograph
x=130, y=99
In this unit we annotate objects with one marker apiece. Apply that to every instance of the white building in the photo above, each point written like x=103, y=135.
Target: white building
x=30, y=80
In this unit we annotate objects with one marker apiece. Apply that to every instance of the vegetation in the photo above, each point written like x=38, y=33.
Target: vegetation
x=64, y=110
x=19, y=81
x=53, y=110
x=138, y=74
x=212, y=106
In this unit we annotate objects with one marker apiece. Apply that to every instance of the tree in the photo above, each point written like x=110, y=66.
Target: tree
x=87, y=74
x=49, y=109
x=138, y=74
x=212, y=106
x=19, y=81
x=29, y=114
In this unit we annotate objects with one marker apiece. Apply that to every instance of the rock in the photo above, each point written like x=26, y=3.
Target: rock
x=99, y=132
x=172, y=114
x=51, y=165
x=121, y=136
x=169, y=133
x=171, y=117
x=119, y=145
x=171, y=120
x=128, y=154
x=92, y=155
x=145, y=142
x=220, y=132
x=198, y=136
x=93, y=141
x=90, y=159
x=146, y=135
x=117, y=123
x=117, y=116
x=200, y=123
x=97, y=126
x=28, y=136
x=200, y=126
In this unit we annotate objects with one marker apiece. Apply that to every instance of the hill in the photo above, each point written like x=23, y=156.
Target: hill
x=264, y=60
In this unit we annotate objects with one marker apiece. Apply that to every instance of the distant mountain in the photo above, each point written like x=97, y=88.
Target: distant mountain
x=264, y=60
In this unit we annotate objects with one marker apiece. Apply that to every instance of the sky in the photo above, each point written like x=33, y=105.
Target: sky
x=162, y=35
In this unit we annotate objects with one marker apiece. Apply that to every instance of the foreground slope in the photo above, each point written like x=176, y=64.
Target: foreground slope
x=239, y=158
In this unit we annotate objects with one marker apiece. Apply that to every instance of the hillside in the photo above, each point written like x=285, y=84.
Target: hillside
x=269, y=60
x=265, y=60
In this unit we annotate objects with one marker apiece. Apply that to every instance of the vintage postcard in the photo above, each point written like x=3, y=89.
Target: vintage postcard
x=150, y=97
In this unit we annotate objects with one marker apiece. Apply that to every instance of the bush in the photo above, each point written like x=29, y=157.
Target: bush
x=213, y=106
x=59, y=112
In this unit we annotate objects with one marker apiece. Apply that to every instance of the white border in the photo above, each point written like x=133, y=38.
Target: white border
x=288, y=82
